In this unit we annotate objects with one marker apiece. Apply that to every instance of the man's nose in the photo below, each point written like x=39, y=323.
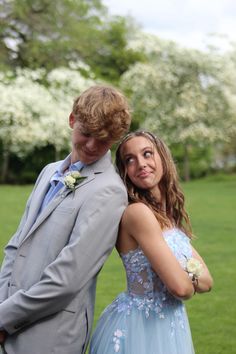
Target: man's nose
x=92, y=144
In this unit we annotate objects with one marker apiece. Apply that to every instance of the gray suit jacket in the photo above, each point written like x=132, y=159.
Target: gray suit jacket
x=48, y=276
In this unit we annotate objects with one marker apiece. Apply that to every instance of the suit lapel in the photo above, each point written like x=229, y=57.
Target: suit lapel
x=52, y=205
x=35, y=220
x=98, y=166
x=36, y=201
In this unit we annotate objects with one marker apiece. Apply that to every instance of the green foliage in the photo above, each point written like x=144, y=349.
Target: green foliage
x=50, y=34
x=199, y=160
x=211, y=203
x=26, y=170
x=113, y=58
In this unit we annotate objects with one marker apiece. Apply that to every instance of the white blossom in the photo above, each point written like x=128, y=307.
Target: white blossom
x=32, y=114
x=177, y=93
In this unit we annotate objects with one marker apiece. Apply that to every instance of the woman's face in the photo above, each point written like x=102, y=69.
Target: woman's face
x=143, y=163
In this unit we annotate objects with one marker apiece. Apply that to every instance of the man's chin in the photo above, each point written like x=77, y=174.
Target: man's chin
x=88, y=160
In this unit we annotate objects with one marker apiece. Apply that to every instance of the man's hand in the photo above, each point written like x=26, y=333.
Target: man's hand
x=3, y=335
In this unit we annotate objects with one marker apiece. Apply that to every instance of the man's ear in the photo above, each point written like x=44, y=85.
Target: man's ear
x=71, y=120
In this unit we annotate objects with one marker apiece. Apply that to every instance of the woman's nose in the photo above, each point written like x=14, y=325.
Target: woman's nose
x=141, y=162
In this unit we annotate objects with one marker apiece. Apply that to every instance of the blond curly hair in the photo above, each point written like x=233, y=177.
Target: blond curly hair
x=103, y=111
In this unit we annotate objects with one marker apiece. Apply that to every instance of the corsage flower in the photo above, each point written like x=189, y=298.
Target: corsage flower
x=72, y=179
x=194, y=267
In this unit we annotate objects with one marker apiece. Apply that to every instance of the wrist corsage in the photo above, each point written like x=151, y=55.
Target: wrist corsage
x=72, y=179
x=194, y=268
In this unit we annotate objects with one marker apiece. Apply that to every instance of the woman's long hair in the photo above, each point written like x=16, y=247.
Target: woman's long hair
x=173, y=211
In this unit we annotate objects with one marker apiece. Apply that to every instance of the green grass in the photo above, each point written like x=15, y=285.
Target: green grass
x=211, y=204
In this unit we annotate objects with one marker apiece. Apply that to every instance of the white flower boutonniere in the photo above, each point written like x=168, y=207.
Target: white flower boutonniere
x=72, y=179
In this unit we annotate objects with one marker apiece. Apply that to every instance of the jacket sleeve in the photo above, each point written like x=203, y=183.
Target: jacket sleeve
x=92, y=239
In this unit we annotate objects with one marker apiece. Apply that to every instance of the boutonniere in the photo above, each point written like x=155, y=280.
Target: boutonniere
x=73, y=179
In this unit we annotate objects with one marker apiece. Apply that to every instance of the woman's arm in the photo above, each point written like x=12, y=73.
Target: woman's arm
x=140, y=227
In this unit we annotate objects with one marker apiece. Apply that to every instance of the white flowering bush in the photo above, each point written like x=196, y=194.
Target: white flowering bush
x=173, y=92
x=35, y=108
x=185, y=96
x=24, y=105
x=32, y=114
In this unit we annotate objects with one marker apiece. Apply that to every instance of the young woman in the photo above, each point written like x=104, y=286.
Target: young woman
x=162, y=267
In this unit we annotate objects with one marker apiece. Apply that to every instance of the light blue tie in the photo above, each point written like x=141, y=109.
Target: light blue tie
x=53, y=190
x=56, y=184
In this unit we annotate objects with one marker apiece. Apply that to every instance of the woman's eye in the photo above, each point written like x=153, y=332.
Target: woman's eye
x=147, y=153
x=129, y=160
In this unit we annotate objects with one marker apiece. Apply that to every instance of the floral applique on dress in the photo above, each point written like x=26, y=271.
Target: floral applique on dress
x=117, y=338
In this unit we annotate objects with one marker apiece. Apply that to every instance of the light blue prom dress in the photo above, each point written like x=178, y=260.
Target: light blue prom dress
x=146, y=319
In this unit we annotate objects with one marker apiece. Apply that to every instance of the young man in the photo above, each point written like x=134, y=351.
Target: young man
x=48, y=276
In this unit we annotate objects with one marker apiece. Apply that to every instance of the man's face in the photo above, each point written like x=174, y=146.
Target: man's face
x=85, y=147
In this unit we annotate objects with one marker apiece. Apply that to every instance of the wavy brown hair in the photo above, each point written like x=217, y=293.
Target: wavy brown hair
x=173, y=212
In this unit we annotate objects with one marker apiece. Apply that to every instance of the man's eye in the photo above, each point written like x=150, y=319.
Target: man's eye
x=87, y=135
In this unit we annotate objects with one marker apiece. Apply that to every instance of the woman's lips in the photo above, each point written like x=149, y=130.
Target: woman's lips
x=143, y=174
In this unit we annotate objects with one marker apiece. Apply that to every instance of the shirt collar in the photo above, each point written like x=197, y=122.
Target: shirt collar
x=65, y=165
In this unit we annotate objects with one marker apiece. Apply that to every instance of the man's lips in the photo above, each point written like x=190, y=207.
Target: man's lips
x=90, y=153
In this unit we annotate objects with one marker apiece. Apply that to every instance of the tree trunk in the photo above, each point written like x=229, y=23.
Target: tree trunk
x=5, y=165
x=57, y=153
x=186, y=163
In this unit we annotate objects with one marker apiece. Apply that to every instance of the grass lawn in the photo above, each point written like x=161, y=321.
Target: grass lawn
x=212, y=207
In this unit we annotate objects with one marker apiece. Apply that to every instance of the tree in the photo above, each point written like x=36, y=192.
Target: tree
x=33, y=115
x=115, y=56
x=178, y=94
x=48, y=34
x=227, y=74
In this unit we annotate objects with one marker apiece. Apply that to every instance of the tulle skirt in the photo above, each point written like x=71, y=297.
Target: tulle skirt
x=136, y=331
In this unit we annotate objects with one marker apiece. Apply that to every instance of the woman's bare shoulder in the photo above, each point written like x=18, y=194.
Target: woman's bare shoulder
x=135, y=214
x=134, y=210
